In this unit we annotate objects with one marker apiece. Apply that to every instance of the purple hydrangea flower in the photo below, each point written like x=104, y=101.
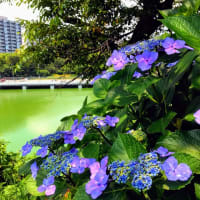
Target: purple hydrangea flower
x=101, y=123
x=98, y=178
x=97, y=185
x=111, y=121
x=42, y=152
x=175, y=172
x=107, y=75
x=50, y=190
x=95, y=78
x=78, y=165
x=163, y=152
x=34, y=169
x=48, y=187
x=26, y=149
x=146, y=59
x=118, y=59
x=170, y=45
x=137, y=75
x=197, y=116
x=79, y=132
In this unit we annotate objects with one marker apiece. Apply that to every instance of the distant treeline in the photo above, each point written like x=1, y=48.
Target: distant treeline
x=17, y=64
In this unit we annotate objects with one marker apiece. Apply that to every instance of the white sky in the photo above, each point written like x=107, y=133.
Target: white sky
x=12, y=12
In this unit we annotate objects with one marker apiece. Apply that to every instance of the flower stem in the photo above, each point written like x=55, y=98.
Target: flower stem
x=146, y=196
x=104, y=137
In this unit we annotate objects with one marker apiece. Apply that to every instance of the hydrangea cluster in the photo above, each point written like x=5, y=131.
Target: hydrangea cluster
x=98, y=179
x=144, y=53
x=43, y=142
x=140, y=171
x=55, y=165
x=77, y=132
x=120, y=171
x=139, y=47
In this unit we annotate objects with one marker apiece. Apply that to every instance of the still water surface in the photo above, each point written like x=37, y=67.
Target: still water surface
x=27, y=114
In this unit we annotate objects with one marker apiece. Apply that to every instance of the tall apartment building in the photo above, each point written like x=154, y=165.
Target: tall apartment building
x=10, y=35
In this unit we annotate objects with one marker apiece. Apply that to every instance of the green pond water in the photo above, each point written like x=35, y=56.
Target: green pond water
x=27, y=114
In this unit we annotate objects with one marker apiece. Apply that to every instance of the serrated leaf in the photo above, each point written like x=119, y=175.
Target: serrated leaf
x=187, y=8
x=183, y=142
x=125, y=75
x=192, y=162
x=96, y=107
x=31, y=186
x=67, y=122
x=81, y=194
x=175, y=185
x=26, y=168
x=140, y=85
x=101, y=87
x=119, y=96
x=126, y=148
x=160, y=125
x=91, y=151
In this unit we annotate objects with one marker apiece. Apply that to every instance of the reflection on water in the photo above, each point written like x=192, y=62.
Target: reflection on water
x=28, y=114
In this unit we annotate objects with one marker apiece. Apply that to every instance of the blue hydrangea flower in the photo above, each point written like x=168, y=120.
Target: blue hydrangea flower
x=42, y=152
x=142, y=182
x=119, y=171
x=175, y=171
x=118, y=59
x=141, y=46
x=170, y=45
x=26, y=149
x=55, y=165
x=197, y=116
x=47, y=140
x=34, y=169
x=146, y=59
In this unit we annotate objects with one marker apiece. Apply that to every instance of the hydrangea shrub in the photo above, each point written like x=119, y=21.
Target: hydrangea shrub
x=138, y=139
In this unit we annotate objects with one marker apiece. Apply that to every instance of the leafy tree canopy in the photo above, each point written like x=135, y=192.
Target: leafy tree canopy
x=85, y=31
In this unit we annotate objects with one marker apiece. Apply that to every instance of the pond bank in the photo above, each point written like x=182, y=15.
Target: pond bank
x=42, y=83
